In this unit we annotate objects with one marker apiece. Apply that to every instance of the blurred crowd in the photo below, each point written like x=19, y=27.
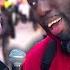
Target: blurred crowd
x=25, y=32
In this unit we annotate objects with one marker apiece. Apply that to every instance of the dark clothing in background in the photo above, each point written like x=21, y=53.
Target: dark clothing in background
x=3, y=66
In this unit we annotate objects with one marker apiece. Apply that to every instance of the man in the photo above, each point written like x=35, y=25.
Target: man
x=54, y=17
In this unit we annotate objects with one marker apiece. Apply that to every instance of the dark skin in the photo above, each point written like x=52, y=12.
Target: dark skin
x=54, y=17
x=46, y=11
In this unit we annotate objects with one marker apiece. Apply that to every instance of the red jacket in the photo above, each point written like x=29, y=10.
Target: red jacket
x=34, y=57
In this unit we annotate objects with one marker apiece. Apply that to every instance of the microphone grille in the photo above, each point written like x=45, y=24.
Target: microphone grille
x=16, y=56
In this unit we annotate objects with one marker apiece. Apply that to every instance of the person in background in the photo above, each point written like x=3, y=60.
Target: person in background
x=6, y=30
x=52, y=53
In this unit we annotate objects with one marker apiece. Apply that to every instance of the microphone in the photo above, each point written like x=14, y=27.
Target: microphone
x=16, y=57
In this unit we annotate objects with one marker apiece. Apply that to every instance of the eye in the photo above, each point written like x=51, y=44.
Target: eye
x=32, y=3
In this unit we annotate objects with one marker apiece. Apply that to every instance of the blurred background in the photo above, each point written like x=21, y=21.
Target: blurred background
x=27, y=32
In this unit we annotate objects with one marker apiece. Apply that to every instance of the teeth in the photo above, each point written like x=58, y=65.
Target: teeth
x=53, y=22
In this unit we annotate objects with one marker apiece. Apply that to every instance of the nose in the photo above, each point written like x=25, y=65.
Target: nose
x=43, y=7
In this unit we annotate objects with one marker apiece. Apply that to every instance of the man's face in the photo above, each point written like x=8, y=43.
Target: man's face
x=54, y=14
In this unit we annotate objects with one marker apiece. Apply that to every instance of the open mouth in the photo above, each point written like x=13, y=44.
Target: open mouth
x=55, y=24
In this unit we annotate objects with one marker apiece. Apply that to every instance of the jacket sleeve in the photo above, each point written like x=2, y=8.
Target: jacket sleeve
x=34, y=56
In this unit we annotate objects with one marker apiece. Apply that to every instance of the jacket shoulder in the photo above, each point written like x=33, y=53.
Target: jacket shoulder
x=34, y=56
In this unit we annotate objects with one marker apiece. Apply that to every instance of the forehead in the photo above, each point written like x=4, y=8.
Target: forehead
x=51, y=1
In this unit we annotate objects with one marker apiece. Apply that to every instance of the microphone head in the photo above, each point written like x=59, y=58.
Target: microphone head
x=17, y=56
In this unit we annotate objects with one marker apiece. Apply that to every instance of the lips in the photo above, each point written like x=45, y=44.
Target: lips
x=54, y=22
x=55, y=25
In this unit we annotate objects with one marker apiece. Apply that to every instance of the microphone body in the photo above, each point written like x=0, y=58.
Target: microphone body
x=16, y=57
